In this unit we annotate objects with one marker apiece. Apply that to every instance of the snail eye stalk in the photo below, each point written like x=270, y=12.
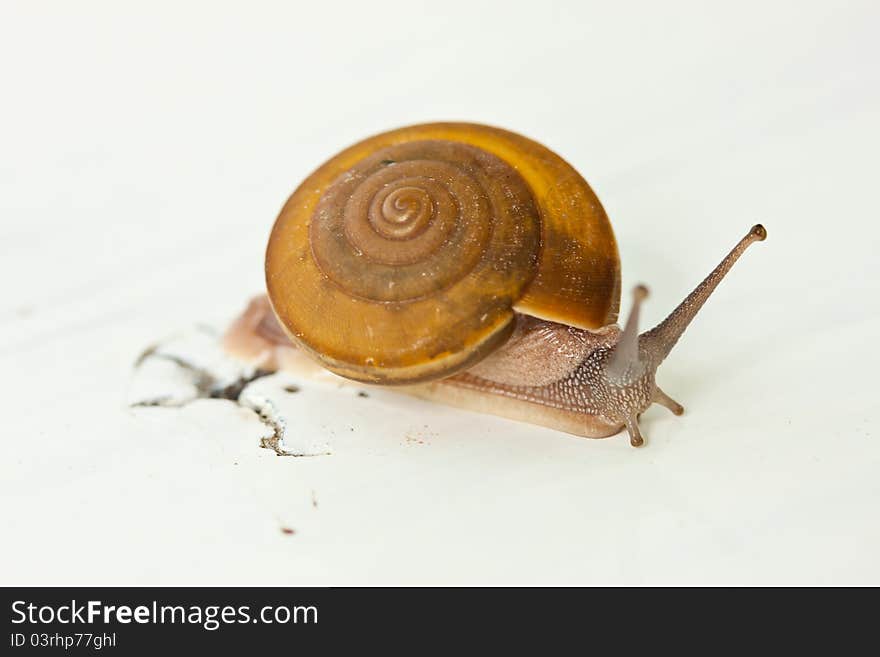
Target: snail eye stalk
x=659, y=341
x=624, y=363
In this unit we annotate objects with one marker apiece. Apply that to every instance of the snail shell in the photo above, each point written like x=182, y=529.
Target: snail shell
x=406, y=257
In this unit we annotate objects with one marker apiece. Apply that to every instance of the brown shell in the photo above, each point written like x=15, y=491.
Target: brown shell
x=404, y=257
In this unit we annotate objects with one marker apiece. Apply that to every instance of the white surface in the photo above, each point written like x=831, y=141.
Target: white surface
x=144, y=155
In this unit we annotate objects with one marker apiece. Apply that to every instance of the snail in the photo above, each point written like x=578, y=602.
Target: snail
x=471, y=266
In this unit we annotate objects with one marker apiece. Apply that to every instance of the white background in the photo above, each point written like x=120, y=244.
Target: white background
x=145, y=152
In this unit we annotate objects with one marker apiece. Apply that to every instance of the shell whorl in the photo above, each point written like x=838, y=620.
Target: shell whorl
x=414, y=219
x=405, y=257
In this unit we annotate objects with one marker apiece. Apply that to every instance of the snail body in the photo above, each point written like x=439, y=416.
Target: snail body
x=468, y=265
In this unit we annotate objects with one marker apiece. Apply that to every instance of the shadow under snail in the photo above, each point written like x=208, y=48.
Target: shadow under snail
x=473, y=266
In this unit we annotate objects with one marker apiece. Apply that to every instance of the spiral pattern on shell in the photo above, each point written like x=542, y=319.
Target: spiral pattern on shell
x=405, y=257
x=416, y=218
